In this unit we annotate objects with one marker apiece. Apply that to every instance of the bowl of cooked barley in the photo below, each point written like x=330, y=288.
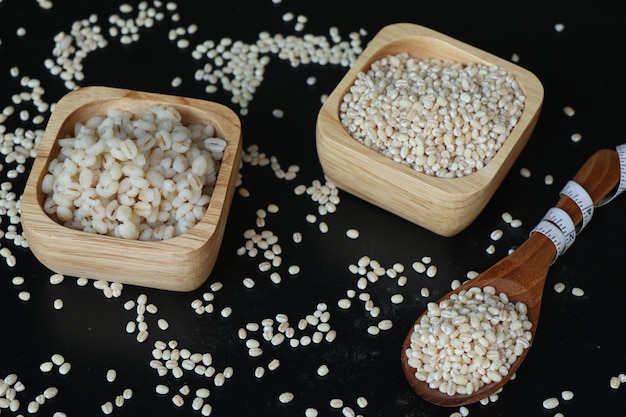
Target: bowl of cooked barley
x=132, y=187
x=426, y=126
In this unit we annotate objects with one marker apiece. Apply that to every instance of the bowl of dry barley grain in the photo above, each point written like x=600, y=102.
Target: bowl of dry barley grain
x=132, y=187
x=426, y=126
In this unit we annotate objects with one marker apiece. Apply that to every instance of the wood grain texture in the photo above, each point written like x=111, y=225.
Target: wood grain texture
x=522, y=274
x=444, y=206
x=181, y=263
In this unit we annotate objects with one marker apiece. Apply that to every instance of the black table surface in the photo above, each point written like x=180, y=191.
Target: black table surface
x=579, y=345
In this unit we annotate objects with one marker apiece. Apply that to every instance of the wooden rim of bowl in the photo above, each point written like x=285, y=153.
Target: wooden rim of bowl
x=426, y=43
x=178, y=263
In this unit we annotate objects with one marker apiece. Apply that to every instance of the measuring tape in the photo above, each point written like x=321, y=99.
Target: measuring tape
x=552, y=232
x=582, y=199
x=564, y=222
x=621, y=153
x=559, y=227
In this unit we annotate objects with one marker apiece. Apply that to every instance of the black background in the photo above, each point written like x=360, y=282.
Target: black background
x=579, y=345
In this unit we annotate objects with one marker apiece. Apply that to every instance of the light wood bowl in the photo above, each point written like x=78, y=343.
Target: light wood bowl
x=181, y=263
x=445, y=206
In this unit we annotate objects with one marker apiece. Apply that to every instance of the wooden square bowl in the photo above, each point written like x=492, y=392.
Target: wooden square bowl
x=181, y=263
x=443, y=205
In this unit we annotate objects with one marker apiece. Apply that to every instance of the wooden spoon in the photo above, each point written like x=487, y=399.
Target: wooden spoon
x=521, y=275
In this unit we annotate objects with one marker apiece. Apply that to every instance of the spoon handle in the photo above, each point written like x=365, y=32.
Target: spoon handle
x=591, y=187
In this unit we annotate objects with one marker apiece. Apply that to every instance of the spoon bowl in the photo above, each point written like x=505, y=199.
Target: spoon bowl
x=522, y=274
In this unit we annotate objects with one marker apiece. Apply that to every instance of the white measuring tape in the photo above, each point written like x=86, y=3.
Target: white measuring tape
x=621, y=153
x=565, y=224
x=582, y=199
x=559, y=227
x=552, y=232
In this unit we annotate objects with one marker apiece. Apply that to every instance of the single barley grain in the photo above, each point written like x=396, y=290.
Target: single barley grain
x=550, y=403
x=559, y=287
x=615, y=382
x=496, y=234
x=352, y=233
x=336, y=403
x=431, y=271
x=111, y=375
x=548, y=180
x=310, y=412
x=418, y=267
x=285, y=397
